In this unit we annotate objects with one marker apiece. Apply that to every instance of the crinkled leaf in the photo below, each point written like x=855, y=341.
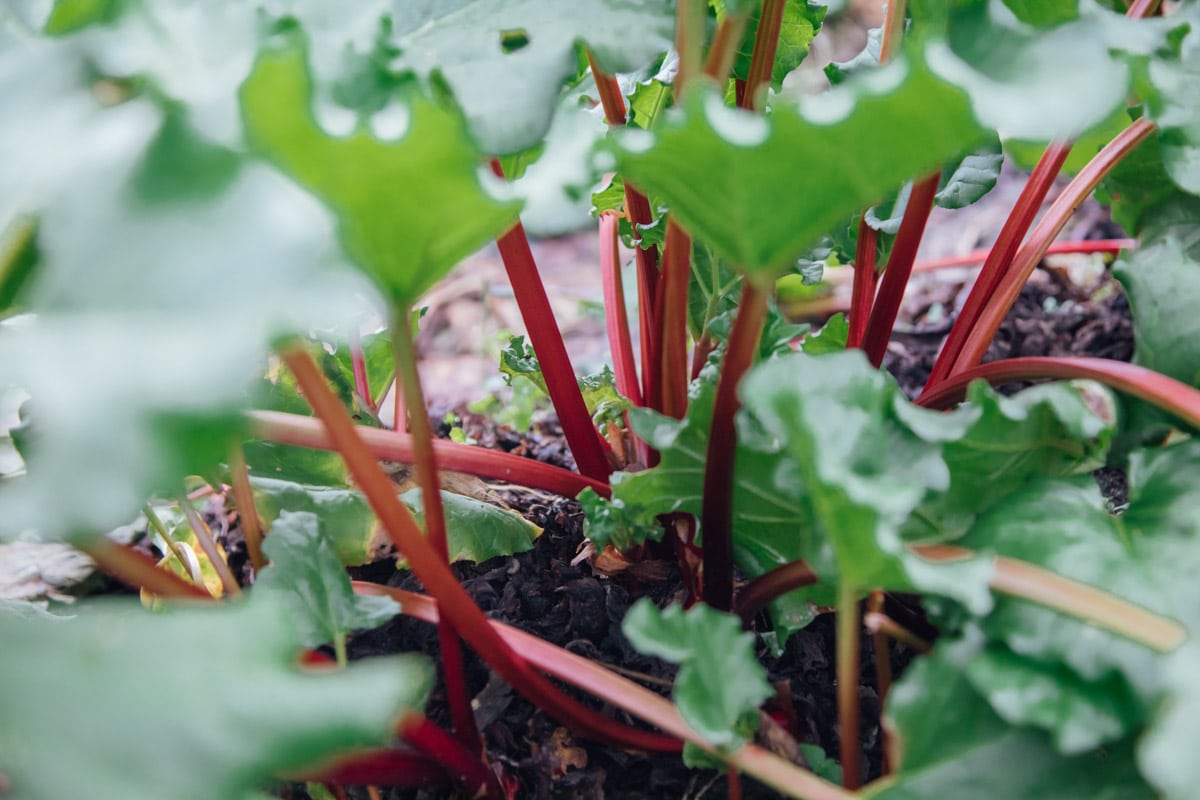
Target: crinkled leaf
x=712, y=289
x=986, y=757
x=866, y=459
x=1161, y=279
x=1042, y=85
x=599, y=390
x=1175, y=108
x=346, y=520
x=506, y=60
x=831, y=338
x=720, y=681
x=477, y=531
x=123, y=738
x=1165, y=753
x=786, y=179
x=800, y=24
x=1049, y=430
x=1138, y=186
x=405, y=238
x=305, y=569
x=970, y=179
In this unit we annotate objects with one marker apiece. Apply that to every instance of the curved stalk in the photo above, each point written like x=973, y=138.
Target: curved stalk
x=1167, y=393
x=762, y=58
x=716, y=519
x=473, y=774
x=302, y=431
x=754, y=596
x=408, y=381
x=139, y=571
x=437, y=578
x=205, y=538
x=981, y=333
x=652, y=708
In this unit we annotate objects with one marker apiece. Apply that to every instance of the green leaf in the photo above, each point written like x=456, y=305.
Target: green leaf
x=305, y=569
x=69, y=16
x=123, y=736
x=720, y=682
x=1044, y=13
x=712, y=289
x=800, y=24
x=599, y=390
x=404, y=237
x=986, y=757
x=786, y=179
x=970, y=179
x=835, y=417
x=831, y=338
x=506, y=60
x=1175, y=108
x=475, y=530
x=347, y=523
x=1044, y=431
x=1165, y=753
x=1160, y=279
x=1043, y=85
x=1139, y=186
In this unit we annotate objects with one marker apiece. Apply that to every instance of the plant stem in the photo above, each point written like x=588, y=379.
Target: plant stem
x=755, y=595
x=339, y=650
x=362, y=384
x=783, y=776
x=1167, y=393
x=1078, y=600
x=1105, y=246
x=980, y=334
x=893, y=29
x=379, y=767
x=899, y=268
x=619, y=342
x=139, y=570
x=408, y=380
x=690, y=17
x=209, y=546
x=716, y=520
x=610, y=93
x=424, y=736
x=762, y=58
x=671, y=311
x=882, y=656
x=881, y=626
x=172, y=547
x=725, y=44
x=582, y=438
x=1000, y=257
x=435, y=574
x=847, y=685
x=302, y=431
x=862, y=296
x=733, y=778
x=243, y=495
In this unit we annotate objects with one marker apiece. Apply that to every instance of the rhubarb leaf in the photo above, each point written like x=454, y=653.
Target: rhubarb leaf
x=404, y=239
x=1159, y=278
x=800, y=24
x=506, y=60
x=786, y=179
x=987, y=757
x=834, y=417
x=475, y=530
x=720, y=682
x=346, y=521
x=1164, y=754
x=267, y=717
x=305, y=569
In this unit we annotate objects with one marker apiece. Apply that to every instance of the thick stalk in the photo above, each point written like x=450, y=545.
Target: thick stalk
x=690, y=17
x=762, y=58
x=243, y=495
x=1081, y=186
x=783, y=776
x=899, y=268
x=616, y=317
x=139, y=571
x=473, y=774
x=1086, y=603
x=302, y=431
x=1000, y=257
x=881, y=625
x=862, y=296
x=435, y=574
x=893, y=29
x=755, y=595
x=847, y=685
x=1167, y=393
x=547, y=341
x=671, y=310
x=378, y=767
x=716, y=516
x=725, y=44
x=358, y=362
x=408, y=380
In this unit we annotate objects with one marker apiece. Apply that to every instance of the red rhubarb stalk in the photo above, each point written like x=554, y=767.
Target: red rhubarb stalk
x=619, y=342
x=547, y=342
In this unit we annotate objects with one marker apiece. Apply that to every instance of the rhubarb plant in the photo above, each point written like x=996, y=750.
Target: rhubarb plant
x=217, y=224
